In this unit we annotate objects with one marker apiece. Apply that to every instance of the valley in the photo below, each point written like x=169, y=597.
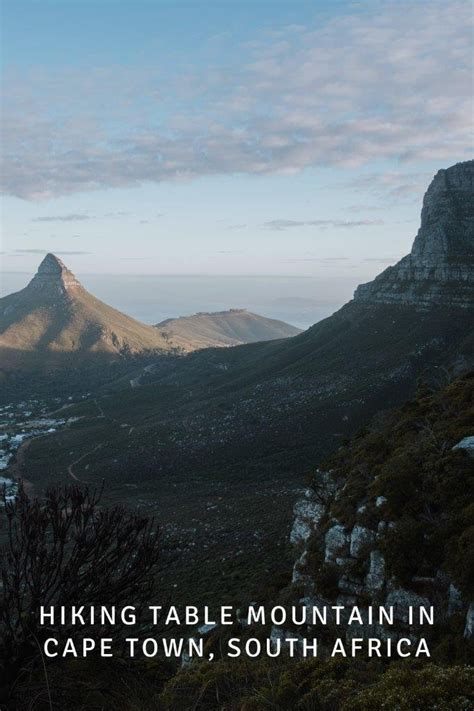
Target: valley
x=218, y=444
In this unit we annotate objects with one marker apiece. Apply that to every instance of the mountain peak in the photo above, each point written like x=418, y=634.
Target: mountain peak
x=440, y=267
x=51, y=264
x=54, y=276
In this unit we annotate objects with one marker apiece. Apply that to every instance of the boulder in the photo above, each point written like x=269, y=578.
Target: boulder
x=337, y=543
x=469, y=628
x=467, y=444
x=402, y=600
x=307, y=514
x=360, y=538
x=375, y=578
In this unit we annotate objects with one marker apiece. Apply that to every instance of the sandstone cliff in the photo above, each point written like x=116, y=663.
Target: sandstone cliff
x=440, y=267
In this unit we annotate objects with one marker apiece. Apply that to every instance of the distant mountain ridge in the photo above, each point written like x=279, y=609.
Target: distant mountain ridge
x=55, y=322
x=223, y=328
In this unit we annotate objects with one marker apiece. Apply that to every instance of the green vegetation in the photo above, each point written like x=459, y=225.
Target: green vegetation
x=407, y=457
x=254, y=685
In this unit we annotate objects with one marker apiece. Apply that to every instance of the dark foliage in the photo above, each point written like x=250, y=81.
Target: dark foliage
x=67, y=550
x=407, y=457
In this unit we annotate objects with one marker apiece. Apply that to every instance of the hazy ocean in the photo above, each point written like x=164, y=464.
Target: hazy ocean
x=301, y=301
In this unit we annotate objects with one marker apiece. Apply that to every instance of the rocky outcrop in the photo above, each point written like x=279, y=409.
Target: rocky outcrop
x=352, y=558
x=53, y=279
x=337, y=543
x=466, y=444
x=306, y=517
x=440, y=268
x=469, y=628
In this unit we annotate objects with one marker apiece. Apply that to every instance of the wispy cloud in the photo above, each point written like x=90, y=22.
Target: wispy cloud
x=74, y=217
x=323, y=224
x=391, y=83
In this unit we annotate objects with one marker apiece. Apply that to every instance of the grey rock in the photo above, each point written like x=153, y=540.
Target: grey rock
x=360, y=538
x=454, y=600
x=350, y=586
x=278, y=634
x=299, y=567
x=307, y=514
x=337, y=543
x=401, y=600
x=469, y=628
x=467, y=444
x=375, y=578
x=440, y=267
x=380, y=501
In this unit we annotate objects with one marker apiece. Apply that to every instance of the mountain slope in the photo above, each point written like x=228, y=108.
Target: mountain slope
x=242, y=426
x=223, y=328
x=54, y=320
x=389, y=519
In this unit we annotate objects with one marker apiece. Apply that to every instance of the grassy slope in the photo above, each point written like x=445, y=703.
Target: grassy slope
x=222, y=439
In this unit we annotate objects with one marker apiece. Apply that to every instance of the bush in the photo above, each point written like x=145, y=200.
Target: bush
x=68, y=550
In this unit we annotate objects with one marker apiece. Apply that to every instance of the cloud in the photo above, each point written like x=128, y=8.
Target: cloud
x=394, y=186
x=62, y=218
x=45, y=251
x=381, y=81
x=346, y=224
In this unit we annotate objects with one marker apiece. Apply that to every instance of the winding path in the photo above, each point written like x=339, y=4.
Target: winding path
x=73, y=464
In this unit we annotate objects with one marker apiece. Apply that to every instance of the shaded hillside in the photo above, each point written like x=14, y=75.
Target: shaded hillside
x=54, y=324
x=223, y=328
x=238, y=428
x=400, y=496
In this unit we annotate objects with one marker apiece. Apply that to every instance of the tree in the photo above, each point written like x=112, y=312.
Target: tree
x=67, y=549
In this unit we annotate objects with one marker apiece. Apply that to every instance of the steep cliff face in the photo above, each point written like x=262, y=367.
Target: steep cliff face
x=440, y=267
x=390, y=521
x=53, y=281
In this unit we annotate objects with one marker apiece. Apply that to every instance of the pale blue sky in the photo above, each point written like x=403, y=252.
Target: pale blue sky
x=227, y=137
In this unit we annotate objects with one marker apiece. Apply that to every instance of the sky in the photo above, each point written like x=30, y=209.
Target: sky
x=273, y=137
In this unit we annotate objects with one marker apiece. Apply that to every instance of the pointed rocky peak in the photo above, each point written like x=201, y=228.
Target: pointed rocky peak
x=51, y=264
x=54, y=277
x=440, y=268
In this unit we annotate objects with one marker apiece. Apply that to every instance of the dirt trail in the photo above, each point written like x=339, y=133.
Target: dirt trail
x=73, y=464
